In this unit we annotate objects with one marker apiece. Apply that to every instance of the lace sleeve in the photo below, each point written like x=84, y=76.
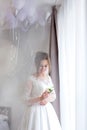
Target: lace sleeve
x=28, y=99
x=52, y=95
x=27, y=92
x=28, y=89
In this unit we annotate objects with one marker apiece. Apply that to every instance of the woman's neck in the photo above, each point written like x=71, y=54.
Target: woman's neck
x=41, y=75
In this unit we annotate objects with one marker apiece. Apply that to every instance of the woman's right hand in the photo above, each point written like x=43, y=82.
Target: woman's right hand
x=44, y=95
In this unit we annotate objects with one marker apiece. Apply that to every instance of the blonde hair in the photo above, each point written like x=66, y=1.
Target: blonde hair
x=41, y=56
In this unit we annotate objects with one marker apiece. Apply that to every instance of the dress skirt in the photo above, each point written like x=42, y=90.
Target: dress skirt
x=40, y=117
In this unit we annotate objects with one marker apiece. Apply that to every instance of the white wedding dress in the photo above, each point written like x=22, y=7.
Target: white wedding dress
x=36, y=116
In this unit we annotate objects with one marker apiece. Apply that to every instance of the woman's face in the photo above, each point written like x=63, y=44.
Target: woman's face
x=44, y=67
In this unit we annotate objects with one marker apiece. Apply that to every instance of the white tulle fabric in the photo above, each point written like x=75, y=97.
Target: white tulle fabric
x=39, y=117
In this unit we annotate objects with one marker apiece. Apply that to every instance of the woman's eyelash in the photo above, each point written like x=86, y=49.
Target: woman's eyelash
x=43, y=65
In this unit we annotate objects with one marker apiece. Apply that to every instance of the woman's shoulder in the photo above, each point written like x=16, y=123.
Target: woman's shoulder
x=31, y=77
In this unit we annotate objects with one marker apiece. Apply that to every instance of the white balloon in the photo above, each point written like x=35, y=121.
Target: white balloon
x=11, y=21
x=18, y=4
x=21, y=15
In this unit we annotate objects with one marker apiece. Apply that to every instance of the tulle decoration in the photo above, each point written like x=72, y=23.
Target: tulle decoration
x=10, y=20
x=18, y=4
x=23, y=14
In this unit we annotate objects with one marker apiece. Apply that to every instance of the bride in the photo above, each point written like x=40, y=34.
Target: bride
x=39, y=113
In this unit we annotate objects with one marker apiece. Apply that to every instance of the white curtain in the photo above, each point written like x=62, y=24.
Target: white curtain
x=73, y=60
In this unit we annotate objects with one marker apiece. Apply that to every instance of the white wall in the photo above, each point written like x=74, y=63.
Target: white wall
x=17, y=51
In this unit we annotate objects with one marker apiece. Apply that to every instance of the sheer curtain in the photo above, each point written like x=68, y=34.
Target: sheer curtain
x=73, y=60
x=81, y=63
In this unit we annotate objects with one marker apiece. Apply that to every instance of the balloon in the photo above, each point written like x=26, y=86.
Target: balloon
x=23, y=13
x=11, y=20
x=18, y=4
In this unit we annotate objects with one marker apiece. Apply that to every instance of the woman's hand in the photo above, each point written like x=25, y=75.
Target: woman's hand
x=44, y=102
x=43, y=98
x=45, y=95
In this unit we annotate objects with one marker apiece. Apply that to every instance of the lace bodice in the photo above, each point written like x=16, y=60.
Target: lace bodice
x=37, y=86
